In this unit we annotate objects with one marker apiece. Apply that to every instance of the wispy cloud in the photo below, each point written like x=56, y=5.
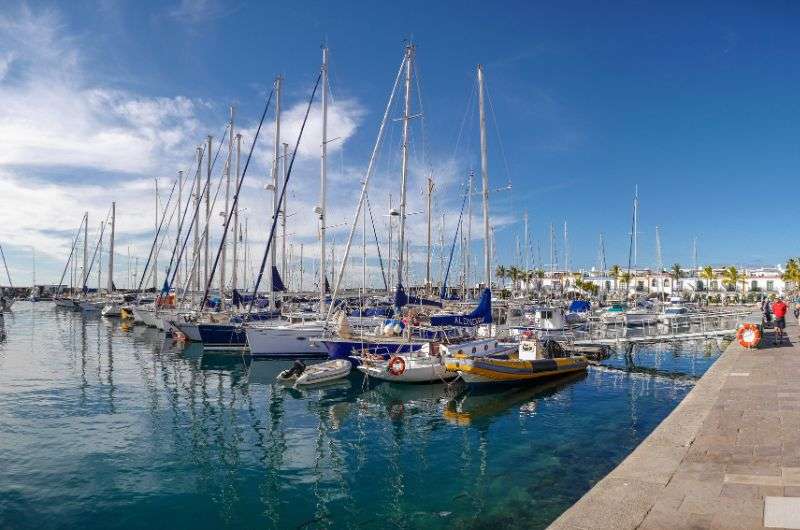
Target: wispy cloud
x=198, y=11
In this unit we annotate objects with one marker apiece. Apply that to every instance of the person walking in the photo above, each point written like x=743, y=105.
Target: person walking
x=779, y=309
x=766, y=313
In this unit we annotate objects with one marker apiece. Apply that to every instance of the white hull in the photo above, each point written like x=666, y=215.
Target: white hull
x=146, y=316
x=419, y=370
x=640, y=319
x=286, y=340
x=324, y=372
x=111, y=310
x=189, y=329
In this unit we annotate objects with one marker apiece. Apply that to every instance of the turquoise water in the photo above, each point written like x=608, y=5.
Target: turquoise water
x=106, y=428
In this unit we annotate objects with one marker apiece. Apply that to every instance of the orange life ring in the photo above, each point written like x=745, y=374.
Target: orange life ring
x=397, y=365
x=749, y=335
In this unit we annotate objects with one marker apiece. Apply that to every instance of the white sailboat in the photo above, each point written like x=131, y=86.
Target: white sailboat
x=294, y=336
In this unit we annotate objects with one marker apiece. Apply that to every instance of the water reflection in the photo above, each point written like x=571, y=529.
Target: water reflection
x=180, y=436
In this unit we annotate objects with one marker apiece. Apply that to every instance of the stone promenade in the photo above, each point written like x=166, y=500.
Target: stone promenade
x=727, y=457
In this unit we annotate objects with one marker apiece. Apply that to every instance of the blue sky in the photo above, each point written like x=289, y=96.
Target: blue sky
x=696, y=102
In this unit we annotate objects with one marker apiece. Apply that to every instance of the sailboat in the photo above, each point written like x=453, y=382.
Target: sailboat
x=6, y=301
x=426, y=363
x=295, y=334
x=528, y=361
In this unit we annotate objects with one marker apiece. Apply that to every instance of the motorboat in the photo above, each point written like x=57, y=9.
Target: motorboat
x=530, y=361
x=674, y=314
x=301, y=375
x=640, y=317
x=613, y=314
x=546, y=322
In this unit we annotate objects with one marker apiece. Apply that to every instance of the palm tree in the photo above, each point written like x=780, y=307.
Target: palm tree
x=708, y=274
x=792, y=273
x=514, y=273
x=731, y=277
x=615, y=272
x=501, y=273
x=625, y=278
x=676, y=273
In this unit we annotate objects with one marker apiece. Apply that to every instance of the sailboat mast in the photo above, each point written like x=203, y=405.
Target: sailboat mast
x=323, y=177
x=283, y=211
x=236, y=228
x=485, y=178
x=636, y=226
x=196, y=248
x=111, y=248
x=180, y=225
x=85, y=249
x=404, y=164
x=224, y=256
x=208, y=212
x=155, y=245
x=468, y=273
x=428, y=260
x=275, y=159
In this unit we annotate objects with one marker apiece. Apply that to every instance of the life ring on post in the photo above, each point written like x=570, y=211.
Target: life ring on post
x=749, y=335
x=397, y=366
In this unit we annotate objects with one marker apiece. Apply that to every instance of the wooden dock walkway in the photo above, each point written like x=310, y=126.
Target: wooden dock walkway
x=727, y=457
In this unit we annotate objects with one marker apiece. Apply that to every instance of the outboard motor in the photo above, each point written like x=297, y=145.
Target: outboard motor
x=297, y=368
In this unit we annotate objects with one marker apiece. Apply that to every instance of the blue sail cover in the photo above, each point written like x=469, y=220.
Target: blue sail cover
x=480, y=315
x=277, y=282
x=401, y=299
x=579, y=306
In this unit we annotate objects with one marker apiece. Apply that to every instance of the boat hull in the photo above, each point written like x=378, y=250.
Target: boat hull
x=478, y=370
x=190, y=330
x=285, y=341
x=222, y=336
x=345, y=348
x=423, y=370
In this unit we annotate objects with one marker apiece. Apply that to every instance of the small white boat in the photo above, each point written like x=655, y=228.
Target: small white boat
x=315, y=374
x=639, y=317
x=426, y=365
x=112, y=309
x=674, y=314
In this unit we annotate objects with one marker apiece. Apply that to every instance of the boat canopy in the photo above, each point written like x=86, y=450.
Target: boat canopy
x=579, y=306
x=480, y=315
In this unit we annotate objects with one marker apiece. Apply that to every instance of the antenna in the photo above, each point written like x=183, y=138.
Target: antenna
x=566, y=248
x=694, y=252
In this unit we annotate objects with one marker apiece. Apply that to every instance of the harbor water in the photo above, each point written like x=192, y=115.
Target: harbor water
x=103, y=426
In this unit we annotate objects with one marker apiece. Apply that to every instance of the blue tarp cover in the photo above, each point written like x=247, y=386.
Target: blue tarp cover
x=579, y=306
x=481, y=315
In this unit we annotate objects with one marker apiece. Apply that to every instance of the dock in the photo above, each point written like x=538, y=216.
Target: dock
x=662, y=337
x=728, y=456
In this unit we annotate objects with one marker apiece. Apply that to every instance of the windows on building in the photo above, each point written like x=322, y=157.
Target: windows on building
x=770, y=285
x=754, y=285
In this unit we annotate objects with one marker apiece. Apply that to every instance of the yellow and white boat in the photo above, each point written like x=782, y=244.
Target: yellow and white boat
x=530, y=362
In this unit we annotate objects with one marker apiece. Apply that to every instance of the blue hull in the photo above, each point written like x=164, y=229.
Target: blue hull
x=341, y=349
x=222, y=336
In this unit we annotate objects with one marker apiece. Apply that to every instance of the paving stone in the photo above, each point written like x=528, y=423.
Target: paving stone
x=716, y=461
x=782, y=512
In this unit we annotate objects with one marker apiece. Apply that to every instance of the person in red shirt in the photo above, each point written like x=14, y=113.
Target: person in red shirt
x=779, y=309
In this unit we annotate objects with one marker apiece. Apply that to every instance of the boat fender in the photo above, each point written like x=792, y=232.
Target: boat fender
x=397, y=366
x=749, y=335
